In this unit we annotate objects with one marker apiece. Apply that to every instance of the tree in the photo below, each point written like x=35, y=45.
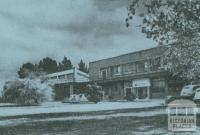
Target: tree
x=27, y=91
x=83, y=67
x=65, y=64
x=26, y=69
x=48, y=65
x=176, y=25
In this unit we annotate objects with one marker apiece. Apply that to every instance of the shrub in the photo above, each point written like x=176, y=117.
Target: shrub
x=130, y=97
x=26, y=92
x=94, y=92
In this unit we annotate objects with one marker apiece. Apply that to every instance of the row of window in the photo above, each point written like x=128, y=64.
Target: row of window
x=66, y=76
x=135, y=67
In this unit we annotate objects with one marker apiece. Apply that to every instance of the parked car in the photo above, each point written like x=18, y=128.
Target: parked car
x=76, y=98
x=172, y=98
x=189, y=90
x=197, y=96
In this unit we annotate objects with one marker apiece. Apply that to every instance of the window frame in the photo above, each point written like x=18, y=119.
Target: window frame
x=61, y=77
x=118, y=69
x=129, y=66
x=101, y=73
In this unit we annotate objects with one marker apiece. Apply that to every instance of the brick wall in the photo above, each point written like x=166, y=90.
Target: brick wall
x=94, y=67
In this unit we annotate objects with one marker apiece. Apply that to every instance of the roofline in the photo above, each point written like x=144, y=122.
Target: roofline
x=60, y=72
x=126, y=54
x=82, y=72
x=70, y=71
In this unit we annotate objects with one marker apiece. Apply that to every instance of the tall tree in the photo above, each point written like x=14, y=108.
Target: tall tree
x=83, y=67
x=48, y=65
x=175, y=24
x=65, y=64
x=26, y=69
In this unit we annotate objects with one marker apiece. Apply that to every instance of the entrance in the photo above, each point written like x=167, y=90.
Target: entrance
x=128, y=91
x=141, y=88
x=141, y=92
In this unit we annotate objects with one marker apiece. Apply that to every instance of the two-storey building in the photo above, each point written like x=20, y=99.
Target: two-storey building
x=141, y=73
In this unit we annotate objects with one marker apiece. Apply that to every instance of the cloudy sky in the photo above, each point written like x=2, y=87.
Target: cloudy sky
x=79, y=29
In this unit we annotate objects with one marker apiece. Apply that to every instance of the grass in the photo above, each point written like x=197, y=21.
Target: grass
x=112, y=126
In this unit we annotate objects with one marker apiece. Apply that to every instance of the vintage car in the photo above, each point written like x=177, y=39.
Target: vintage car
x=76, y=98
x=189, y=90
x=197, y=96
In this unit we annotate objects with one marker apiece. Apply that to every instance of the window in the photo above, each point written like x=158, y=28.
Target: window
x=146, y=66
x=127, y=68
x=54, y=77
x=140, y=66
x=156, y=64
x=158, y=83
x=116, y=70
x=70, y=76
x=128, y=91
x=103, y=73
x=61, y=77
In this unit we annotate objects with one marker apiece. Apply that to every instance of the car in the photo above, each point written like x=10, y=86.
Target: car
x=197, y=96
x=76, y=98
x=172, y=98
x=189, y=90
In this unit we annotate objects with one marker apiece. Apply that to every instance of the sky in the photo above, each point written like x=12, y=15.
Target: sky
x=79, y=29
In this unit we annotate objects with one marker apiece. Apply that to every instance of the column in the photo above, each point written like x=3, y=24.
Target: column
x=166, y=88
x=71, y=87
x=148, y=92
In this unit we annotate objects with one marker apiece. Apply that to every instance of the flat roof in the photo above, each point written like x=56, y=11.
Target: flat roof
x=67, y=72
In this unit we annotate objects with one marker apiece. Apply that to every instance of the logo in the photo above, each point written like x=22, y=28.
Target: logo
x=182, y=115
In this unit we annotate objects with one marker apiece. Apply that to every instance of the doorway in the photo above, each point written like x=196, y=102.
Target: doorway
x=142, y=92
x=128, y=91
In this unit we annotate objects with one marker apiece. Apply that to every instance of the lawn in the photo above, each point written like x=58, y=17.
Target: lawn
x=111, y=126
x=126, y=125
x=95, y=119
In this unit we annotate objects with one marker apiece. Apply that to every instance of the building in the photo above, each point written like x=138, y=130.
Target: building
x=141, y=73
x=68, y=82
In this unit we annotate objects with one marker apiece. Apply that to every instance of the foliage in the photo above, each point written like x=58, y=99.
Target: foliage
x=26, y=69
x=48, y=65
x=45, y=66
x=93, y=90
x=26, y=92
x=83, y=67
x=130, y=97
x=65, y=64
x=176, y=24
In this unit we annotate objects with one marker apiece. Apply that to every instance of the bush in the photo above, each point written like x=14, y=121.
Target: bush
x=130, y=97
x=26, y=92
x=94, y=93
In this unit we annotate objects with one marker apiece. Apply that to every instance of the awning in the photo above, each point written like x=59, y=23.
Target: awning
x=141, y=83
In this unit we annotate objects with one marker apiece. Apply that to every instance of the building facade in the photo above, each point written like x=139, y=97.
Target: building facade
x=140, y=73
x=68, y=82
